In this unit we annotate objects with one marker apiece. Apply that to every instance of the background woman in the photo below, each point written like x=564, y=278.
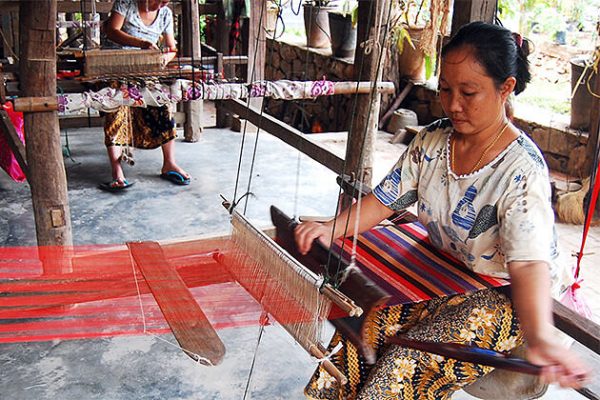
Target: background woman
x=140, y=24
x=483, y=194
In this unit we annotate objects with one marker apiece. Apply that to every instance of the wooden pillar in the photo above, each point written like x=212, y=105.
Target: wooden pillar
x=89, y=6
x=466, y=11
x=368, y=67
x=190, y=25
x=592, y=144
x=257, y=47
x=47, y=177
x=223, y=117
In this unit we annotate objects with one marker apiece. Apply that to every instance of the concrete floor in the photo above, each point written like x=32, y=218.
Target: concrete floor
x=145, y=366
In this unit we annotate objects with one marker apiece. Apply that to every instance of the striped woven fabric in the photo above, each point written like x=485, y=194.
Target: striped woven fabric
x=401, y=259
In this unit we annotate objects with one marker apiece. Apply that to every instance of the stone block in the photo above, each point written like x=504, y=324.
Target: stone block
x=276, y=61
x=540, y=137
x=556, y=162
x=577, y=162
x=558, y=143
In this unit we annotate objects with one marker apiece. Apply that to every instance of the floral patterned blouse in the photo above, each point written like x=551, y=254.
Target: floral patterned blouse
x=492, y=216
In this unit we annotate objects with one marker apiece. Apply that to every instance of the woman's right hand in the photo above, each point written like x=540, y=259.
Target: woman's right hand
x=146, y=44
x=307, y=232
x=559, y=363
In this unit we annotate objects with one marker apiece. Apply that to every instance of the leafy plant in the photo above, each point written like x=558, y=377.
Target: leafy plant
x=348, y=7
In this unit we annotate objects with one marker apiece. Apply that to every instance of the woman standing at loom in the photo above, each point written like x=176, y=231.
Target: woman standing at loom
x=140, y=24
x=483, y=194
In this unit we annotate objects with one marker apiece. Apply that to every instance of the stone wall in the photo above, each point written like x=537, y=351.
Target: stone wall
x=297, y=62
x=563, y=148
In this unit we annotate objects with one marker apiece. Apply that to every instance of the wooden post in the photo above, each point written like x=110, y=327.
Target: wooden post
x=47, y=177
x=592, y=144
x=466, y=11
x=257, y=47
x=190, y=24
x=368, y=67
x=223, y=117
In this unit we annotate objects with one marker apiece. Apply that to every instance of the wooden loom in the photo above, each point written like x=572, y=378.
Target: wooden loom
x=286, y=287
x=120, y=62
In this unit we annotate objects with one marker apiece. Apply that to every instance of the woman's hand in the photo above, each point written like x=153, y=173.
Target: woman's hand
x=558, y=362
x=307, y=232
x=530, y=287
x=146, y=44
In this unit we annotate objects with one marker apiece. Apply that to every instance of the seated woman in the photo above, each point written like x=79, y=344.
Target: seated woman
x=483, y=194
x=140, y=24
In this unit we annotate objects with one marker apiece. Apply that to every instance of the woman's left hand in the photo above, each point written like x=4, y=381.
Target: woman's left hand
x=559, y=363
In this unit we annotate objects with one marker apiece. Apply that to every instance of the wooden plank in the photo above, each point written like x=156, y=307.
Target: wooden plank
x=583, y=330
x=289, y=135
x=189, y=324
x=15, y=144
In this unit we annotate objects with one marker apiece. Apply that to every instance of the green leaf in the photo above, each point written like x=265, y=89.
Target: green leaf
x=429, y=66
x=403, y=35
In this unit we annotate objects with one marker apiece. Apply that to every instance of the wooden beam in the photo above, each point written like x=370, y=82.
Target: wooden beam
x=47, y=177
x=289, y=135
x=466, y=11
x=192, y=127
x=583, y=330
x=189, y=324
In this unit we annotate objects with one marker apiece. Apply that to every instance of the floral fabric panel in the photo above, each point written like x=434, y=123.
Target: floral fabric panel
x=498, y=214
x=157, y=94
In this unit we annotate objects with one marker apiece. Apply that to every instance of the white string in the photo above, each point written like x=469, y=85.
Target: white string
x=361, y=166
x=333, y=351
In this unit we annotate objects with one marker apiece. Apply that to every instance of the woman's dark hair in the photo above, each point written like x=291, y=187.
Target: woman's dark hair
x=500, y=52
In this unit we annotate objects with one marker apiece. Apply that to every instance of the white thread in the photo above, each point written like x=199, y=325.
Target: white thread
x=333, y=351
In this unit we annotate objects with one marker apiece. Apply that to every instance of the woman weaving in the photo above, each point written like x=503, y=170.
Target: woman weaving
x=140, y=24
x=473, y=166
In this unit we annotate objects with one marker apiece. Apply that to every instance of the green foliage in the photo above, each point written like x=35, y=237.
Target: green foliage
x=429, y=66
x=401, y=35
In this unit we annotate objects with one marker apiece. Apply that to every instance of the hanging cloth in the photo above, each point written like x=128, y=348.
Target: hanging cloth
x=8, y=162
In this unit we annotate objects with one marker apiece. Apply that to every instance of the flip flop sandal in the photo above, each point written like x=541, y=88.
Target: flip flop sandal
x=175, y=177
x=115, y=186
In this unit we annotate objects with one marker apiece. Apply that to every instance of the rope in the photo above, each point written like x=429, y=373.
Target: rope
x=260, y=333
x=7, y=45
x=372, y=94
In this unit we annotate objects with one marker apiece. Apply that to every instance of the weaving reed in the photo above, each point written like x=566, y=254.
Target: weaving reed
x=121, y=62
x=284, y=288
